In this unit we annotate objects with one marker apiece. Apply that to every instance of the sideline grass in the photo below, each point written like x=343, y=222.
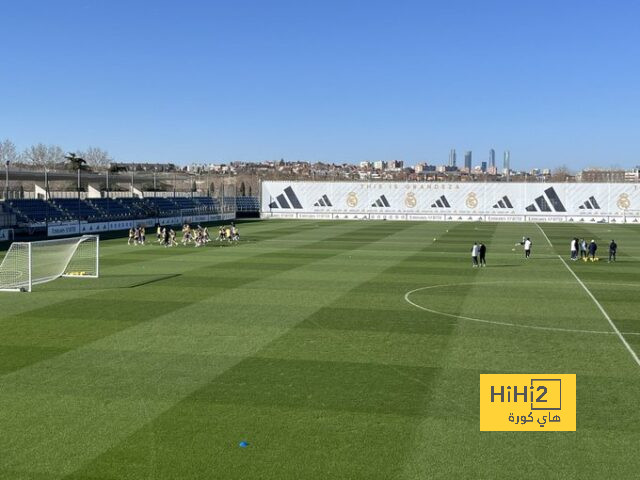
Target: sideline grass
x=300, y=342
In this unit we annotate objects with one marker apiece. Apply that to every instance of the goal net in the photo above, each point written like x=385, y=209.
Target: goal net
x=30, y=263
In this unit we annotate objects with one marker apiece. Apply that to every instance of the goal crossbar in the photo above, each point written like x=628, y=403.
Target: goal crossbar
x=31, y=263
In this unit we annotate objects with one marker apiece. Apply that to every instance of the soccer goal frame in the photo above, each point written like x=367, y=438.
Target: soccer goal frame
x=31, y=263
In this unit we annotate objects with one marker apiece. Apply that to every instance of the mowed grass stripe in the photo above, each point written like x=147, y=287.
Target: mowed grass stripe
x=39, y=378
x=381, y=395
x=190, y=414
x=143, y=368
x=73, y=322
x=123, y=265
x=616, y=300
x=598, y=361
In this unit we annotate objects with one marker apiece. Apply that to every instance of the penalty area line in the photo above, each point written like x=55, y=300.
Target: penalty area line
x=595, y=300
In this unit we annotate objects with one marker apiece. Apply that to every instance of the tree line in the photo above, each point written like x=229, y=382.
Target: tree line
x=42, y=155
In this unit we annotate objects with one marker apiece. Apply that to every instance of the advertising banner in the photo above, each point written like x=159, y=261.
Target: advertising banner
x=497, y=201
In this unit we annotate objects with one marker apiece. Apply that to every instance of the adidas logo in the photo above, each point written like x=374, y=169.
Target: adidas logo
x=323, y=202
x=381, y=202
x=554, y=204
x=590, y=204
x=441, y=203
x=281, y=200
x=504, y=202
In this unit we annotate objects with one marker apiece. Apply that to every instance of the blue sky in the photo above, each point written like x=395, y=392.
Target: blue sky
x=344, y=81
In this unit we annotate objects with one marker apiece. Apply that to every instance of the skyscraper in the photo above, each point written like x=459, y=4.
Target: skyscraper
x=506, y=164
x=467, y=160
x=452, y=157
x=492, y=158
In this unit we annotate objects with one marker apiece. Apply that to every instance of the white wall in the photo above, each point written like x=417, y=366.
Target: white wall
x=462, y=201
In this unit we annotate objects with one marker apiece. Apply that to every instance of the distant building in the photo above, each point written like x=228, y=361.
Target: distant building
x=141, y=167
x=632, y=175
x=452, y=157
x=492, y=158
x=380, y=165
x=483, y=167
x=446, y=169
x=467, y=161
x=597, y=175
x=365, y=165
x=506, y=164
x=396, y=165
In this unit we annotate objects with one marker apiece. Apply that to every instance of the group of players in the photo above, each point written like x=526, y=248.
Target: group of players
x=587, y=251
x=198, y=236
x=580, y=249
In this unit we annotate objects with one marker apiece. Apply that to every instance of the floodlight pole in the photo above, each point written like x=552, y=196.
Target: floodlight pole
x=6, y=179
x=78, y=197
x=46, y=201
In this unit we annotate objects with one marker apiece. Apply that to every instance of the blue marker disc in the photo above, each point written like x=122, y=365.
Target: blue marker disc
x=243, y=444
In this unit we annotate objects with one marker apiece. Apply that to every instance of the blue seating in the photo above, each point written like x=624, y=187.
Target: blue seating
x=36, y=210
x=138, y=207
x=77, y=208
x=111, y=208
x=162, y=206
x=247, y=204
x=106, y=209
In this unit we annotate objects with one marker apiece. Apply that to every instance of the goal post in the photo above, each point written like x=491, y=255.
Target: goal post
x=31, y=263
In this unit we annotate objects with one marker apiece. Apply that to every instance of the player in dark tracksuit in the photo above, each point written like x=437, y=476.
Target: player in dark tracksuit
x=593, y=247
x=613, y=249
x=483, y=252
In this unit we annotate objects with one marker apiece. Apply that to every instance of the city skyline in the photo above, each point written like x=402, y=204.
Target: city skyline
x=334, y=82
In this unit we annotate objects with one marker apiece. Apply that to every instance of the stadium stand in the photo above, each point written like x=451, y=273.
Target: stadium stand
x=211, y=203
x=185, y=203
x=137, y=207
x=111, y=209
x=77, y=208
x=162, y=206
x=247, y=204
x=36, y=211
x=30, y=211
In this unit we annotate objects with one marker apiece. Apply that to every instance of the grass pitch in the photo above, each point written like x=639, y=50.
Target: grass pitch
x=316, y=343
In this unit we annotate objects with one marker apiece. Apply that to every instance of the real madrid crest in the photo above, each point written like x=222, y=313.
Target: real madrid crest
x=472, y=200
x=410, y=200
x=352, y=200
x=623, y=201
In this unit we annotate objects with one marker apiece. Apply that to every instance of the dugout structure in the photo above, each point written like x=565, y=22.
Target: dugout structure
x=31, y=263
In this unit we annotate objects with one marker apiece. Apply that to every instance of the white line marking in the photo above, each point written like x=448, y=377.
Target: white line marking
x=606, y=315
x=602, y=310
x=545, y=235
x=492, y=322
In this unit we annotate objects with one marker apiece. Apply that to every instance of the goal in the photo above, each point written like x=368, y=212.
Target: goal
x=31, y=263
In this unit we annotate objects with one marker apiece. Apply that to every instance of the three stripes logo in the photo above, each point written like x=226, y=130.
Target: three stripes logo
x=381, y=202
x=550, y=203
x=442, y=202
x=504, y=202
x=285, y=200
x=323, y=202
x=590, y=204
